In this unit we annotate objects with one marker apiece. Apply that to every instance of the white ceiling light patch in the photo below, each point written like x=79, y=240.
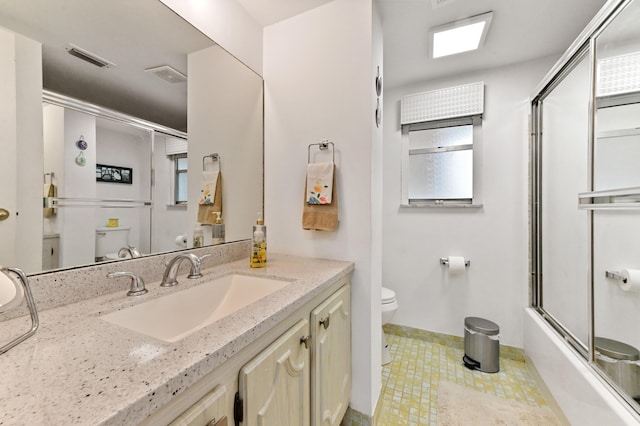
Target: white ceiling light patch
x=460, y=36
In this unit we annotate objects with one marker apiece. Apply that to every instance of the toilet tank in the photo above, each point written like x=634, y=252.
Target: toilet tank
x=110, y=239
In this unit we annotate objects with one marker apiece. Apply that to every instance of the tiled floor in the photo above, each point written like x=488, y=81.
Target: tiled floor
x=410, y=381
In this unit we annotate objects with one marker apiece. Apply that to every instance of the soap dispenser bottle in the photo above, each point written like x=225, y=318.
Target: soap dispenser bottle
x=218, y=230
x=198, y=237
x=258, y=257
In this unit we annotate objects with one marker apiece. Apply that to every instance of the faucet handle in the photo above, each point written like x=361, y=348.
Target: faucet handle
x=196, y=263
x=137, y=283
x=130, y=250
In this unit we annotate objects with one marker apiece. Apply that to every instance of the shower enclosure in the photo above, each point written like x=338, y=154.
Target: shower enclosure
x=585, y=198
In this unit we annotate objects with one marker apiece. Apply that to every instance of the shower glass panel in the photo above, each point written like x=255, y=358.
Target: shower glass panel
x=616, y=228
x=564, y=229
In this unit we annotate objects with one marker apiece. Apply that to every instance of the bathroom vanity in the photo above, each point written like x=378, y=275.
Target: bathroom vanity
x=269, y=358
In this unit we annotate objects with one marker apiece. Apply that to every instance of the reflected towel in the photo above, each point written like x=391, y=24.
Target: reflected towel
x=319, y=183
x=321, y=217
x=206, y=211
x=208, y=187
x=50, y=191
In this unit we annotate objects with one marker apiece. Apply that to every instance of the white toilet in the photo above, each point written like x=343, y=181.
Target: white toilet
x=109, y=240
x=389, y=308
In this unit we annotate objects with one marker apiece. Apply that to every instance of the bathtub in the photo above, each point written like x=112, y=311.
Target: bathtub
x=581, y=394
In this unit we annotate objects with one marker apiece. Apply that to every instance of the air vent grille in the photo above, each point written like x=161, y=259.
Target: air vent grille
x=89, y=57
x=168, y=73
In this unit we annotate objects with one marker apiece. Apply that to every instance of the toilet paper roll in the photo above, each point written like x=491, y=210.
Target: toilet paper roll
x=456, y=265
x=181, y=241
x=631, y=280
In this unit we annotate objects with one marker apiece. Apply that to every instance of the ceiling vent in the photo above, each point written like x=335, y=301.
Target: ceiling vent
x=168, y=73
x=89, y=57
x=440, y=3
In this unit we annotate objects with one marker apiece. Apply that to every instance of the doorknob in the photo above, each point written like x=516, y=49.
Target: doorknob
x=304, y=340
x=325, y=321
x=4, y=214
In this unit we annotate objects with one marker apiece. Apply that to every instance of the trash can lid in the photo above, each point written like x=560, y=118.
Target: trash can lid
x=616, y=350
x=481, y=325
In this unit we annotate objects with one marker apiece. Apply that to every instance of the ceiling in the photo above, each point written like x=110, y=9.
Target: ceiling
x=521, y=30
x=267, y=12
x=140, y=34
x=134, y=35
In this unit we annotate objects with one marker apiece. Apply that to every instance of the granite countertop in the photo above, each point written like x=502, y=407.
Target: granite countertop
x=80, y=369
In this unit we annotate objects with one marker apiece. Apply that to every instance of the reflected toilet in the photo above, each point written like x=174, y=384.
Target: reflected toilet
x=389, y=308
x=109, y=240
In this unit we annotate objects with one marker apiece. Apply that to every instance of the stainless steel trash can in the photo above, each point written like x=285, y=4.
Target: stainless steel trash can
x=618, y=361
x=481, y=345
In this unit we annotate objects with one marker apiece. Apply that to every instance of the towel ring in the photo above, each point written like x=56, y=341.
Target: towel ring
x=32, y=309
x=324, y=145
x=214, y=157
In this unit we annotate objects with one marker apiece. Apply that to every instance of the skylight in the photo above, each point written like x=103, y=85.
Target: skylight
x=460, y=36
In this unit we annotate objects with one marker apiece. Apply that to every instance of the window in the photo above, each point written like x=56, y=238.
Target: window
x=438, y=162
x=441, y=142
x=180, y=180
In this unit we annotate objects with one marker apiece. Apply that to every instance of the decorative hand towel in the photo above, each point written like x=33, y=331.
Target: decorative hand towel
x=319, y=183
x=321, y=217
x=49, y=192
x=210, y=197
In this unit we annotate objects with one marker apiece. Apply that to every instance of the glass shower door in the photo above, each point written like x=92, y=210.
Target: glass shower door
x=564, y=229
x=616, y=225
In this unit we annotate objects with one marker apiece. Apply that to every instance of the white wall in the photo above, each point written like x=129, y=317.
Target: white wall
x=53, y=140
x=226, y=23
x=30, y=157
x=494, y=238
x=318, y=71
x=21, y=139
x=168, y=221
x=226, y=117
x=76, y=226
x=125, y=146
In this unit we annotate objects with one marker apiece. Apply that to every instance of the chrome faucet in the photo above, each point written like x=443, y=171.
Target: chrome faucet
x=137, y=283
x=170, y=274
x=131, y=250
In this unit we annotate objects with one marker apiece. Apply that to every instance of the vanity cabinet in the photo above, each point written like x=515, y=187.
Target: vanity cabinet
x=304, y=377
x=50, y=252
x=274, y=387
x=331, y=359
x=298, y=373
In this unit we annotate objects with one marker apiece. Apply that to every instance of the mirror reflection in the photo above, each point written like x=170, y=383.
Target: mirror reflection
x=121, y=160
x=616, y=159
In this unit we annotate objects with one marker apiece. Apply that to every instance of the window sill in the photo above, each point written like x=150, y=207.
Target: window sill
x=442, y=206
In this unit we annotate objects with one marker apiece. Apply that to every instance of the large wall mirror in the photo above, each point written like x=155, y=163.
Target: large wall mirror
x=125, y=108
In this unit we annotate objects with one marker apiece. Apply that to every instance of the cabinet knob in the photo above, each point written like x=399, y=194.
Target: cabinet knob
x=305, y=340
x=325, y=322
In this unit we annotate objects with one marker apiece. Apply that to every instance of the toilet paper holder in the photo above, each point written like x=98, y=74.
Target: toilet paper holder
x=445, y=261
x=616, y=276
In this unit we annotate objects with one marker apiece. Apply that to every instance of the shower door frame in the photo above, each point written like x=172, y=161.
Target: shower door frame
x=584, y=45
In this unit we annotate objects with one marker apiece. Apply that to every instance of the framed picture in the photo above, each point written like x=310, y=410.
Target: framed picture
x=114, y=174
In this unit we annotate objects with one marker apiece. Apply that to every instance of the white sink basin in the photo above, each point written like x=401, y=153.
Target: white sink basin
x=176, y=315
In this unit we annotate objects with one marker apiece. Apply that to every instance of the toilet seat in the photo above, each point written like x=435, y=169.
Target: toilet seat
x=388, y=296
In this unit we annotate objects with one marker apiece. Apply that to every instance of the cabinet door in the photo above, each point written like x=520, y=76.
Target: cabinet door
x=331, y=359
x=274, y=386
x=50, y=248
